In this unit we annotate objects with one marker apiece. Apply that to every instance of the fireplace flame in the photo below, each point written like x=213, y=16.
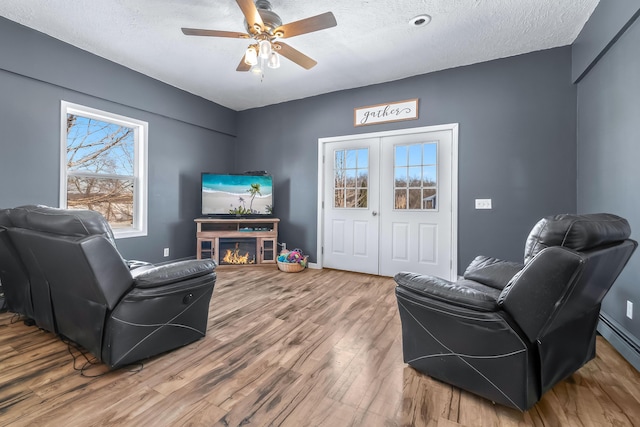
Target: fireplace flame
x=234, y=257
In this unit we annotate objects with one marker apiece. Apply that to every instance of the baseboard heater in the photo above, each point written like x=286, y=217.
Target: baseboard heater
x=620, y=339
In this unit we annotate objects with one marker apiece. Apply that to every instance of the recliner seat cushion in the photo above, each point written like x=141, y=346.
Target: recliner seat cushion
x=577, y=232
x=463, y=293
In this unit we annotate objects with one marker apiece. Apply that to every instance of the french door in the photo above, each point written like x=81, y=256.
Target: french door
x=388, y=202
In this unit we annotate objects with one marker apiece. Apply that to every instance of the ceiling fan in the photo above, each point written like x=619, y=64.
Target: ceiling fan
x=265, y=28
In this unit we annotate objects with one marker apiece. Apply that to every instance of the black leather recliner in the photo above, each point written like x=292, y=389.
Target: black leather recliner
x=508, y=331
x=61, y=268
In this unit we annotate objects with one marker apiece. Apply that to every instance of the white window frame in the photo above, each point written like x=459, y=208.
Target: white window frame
x=140, y=191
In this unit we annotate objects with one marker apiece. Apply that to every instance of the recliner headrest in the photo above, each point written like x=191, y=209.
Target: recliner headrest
x=577, y=232
x=67, y=222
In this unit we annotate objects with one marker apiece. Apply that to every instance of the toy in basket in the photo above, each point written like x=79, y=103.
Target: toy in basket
x=292, y=261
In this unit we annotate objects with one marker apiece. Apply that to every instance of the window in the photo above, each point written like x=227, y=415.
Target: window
x=351, y=178
x=104, y=167
x=415, y=176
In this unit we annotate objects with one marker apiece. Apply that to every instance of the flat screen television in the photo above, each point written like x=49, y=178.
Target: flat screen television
x=247, y=195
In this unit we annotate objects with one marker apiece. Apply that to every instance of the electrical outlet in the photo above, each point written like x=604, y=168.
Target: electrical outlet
x=166, y=252
x=483, y=203
x=629, y=309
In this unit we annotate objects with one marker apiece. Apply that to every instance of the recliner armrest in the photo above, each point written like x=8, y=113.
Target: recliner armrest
x=492, y=272
x=134, y=263
x=449, y=292
x=171, y=273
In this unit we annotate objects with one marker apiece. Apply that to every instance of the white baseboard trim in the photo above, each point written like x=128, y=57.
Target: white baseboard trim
x=626, y=344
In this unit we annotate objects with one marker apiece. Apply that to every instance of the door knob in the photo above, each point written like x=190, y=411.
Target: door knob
x=374, y=213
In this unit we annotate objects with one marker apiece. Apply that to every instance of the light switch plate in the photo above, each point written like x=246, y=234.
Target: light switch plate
x=483, y=203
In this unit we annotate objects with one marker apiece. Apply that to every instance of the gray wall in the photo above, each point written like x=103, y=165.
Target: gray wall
x=517, y=146
x=608, y=153
x=187, y=135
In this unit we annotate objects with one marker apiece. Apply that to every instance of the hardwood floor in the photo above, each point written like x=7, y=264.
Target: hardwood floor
x=317, y=348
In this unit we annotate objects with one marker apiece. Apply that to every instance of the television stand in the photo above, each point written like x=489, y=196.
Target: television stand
x=237, y=241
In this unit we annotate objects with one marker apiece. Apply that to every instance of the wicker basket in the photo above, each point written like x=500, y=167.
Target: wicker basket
x=291, y=267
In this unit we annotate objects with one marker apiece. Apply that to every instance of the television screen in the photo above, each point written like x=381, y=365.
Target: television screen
x=249, y=195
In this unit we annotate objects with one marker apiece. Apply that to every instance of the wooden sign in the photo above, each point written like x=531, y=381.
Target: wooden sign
x=385, y=113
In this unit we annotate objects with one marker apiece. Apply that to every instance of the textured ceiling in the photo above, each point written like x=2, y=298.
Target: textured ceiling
x=372, y=42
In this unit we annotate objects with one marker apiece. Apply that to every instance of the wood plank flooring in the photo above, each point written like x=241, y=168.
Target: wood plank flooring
x=316, y=348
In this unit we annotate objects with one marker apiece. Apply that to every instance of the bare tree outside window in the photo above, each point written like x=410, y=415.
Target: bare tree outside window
x=101, y=167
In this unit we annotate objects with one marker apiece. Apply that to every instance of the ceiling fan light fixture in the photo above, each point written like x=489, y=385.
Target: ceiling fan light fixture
x=265, y=49
x=274, y=60
x=256, y=69
x=251, y=56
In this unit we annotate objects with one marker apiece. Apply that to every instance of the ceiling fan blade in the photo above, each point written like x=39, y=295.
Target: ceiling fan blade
x=243, y=66
x=214, y=33
x=250, y=12
x=295, y=55
x=308, y=25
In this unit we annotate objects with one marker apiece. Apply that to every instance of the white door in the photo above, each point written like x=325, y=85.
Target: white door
x=389, y=202
x=415, y=204
x=351, y=221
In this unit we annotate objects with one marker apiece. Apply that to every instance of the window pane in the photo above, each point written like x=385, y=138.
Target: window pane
x=363, y=178
x=429, y=198
x=401, y=155
x=338, y=179
x=401, y=177
x=113, y=198
x=363, y=158
x=351, y=159
x=339, y=160
x=338, y=198
x=103, y=155
x=414, y=176
x=429, y=176
x=362, y=201
x=350, y=178
x=415, y=154
x=351, y=174
x=400, y=199
x=99, y=147
x=351, y=198
x=415, y=198
x=430, y=153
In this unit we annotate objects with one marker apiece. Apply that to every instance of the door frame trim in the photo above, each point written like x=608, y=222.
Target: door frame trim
x=453, y=127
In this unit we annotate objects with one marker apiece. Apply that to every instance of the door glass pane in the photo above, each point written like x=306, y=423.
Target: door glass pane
x=429, y=198
x=400, y=155
x=429, y=176
x=362, y=198
x=351, y=159
x=415, y=154
x=430, y=153
x=401, y=177
x=338, y=198
x=415, y=198
x=363, y=158
x=351, y=198
x=351, y=178
x=363, y=179
x=400, y=199
x=416, y=176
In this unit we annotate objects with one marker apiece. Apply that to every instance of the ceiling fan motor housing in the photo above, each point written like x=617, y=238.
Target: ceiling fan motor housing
x=270, y=19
